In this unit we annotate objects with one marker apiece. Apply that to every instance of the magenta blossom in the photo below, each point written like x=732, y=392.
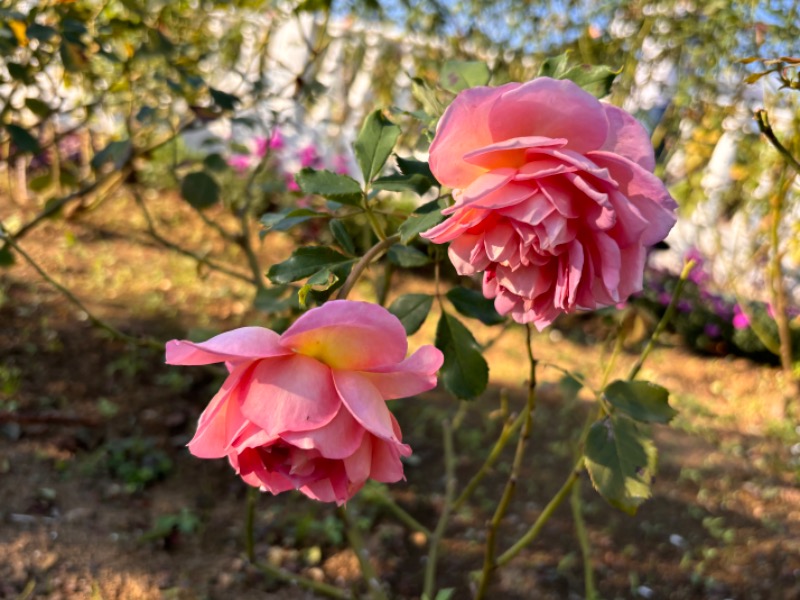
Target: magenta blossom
x=309, y=157
x=306, y=410
x=555, y=199
x=239, y=162
x=275, y=142
x=740, y=319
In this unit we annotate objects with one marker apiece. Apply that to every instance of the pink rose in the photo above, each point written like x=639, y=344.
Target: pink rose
x=555, y=200
x=307, y=410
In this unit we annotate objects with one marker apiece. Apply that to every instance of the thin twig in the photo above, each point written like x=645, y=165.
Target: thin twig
x=153, y=232
x=402, y=515
x=590, y=593
x=364, y=261
x=509, y=429
x=762, y=118
x=666, y=318
x=250, y=524
x=545, y=515
x=145, y=342
x=489, y=562
x=447, y=509
x=357, y=544
x=305, y=582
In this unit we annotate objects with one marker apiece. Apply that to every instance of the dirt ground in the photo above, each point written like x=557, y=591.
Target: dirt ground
x=99, y=498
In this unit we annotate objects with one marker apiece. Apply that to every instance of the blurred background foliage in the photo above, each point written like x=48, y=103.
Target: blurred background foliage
x=97, y=96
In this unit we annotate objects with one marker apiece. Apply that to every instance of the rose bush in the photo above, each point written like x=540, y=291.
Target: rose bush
x=555, y=199
x=307, y=410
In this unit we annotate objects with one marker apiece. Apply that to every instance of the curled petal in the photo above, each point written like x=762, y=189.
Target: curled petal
x=345, y=334
x=414, y=375
x=246, y=343
x=627, y=138
x=365, y=403
x=530, y=110
x=453, y=140
x=222, y=419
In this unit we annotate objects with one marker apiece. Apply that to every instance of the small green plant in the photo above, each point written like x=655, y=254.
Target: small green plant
x=136, y=462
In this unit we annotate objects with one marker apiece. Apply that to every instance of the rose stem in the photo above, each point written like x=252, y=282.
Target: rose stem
x=441, y=525
x=489, y=564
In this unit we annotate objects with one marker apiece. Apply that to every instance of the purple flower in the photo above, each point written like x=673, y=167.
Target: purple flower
x=712, y=330
x=685, y=306
x=740, y=320
x=664, y=298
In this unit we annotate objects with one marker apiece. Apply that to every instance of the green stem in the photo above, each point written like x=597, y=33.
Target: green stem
x=762, y=118
x=294, y=579
x=489, y=563
x=590, y=592
x=559, y=497
x=548, y=511
x=373, y=221
x=357, y=544
x=364, y=261
x=662, y=324
x=402, y=515
x=250, y=523
x=777, y=287
x=509, y=429
x=144, y=342
x=441, y=525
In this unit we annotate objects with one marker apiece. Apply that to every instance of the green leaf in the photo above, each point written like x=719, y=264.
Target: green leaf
x=412, y=310
x=19, y=72
x=6, y=257
x=200, y=190
x=333, y=186
x=569, y=387
x=41, y=182
x=274, y=299
x=464, y=373
x=472, y=303
x=407, y=257
x=43, y=33
x=458, y=75
x=215, y=162
x=38, y=107
x=23, y=140
x=426, y=97
x=419, y=222
x=145, y=114
x=341, y=236
x=641, y=400
x=375, y=143
x=117, y=153
x=621, y=461
x=596, y=80
x=398, y=182
x=305, y=262
x=410, y=166
x=320, y=281
x=285, y=219
x=224, y=100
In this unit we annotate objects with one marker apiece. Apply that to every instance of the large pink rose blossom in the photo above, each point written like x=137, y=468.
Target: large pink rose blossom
x=555, y=199
x=307, y=410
